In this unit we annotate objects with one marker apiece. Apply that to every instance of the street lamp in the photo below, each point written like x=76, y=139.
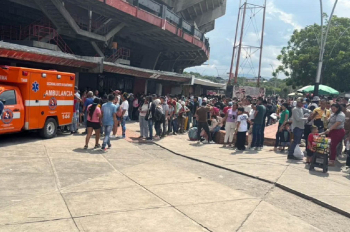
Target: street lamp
x=322, y=46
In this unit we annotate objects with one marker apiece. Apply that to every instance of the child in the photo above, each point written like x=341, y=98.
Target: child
x=285, y=137
x=310, y=148
x=241, y=129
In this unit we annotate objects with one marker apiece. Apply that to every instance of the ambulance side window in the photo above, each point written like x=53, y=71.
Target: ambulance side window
x=9, y=96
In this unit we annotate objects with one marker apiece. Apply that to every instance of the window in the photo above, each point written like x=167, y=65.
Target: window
x=9, y=96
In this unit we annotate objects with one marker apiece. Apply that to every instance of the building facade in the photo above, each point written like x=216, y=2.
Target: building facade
x=132, y=45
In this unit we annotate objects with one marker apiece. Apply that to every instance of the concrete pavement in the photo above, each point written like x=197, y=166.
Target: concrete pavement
x=55, y=185
x=331, y=189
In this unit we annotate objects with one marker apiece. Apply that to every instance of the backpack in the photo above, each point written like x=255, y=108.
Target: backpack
x=158, y=114
x=192, y=134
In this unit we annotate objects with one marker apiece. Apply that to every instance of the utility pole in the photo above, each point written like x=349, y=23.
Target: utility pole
x=322, y=46
x=261, y=44
x=241, y=29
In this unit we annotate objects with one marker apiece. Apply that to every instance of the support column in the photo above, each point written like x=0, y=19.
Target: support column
x=159, y=87
x=77, y=79
x=90, y=20
x=146, y=84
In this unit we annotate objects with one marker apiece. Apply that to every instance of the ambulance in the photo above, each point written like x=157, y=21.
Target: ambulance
x=35, y=100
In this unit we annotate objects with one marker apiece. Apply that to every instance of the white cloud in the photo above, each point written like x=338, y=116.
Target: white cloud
x=288, y=18
x=343, y=7
x=269, y=58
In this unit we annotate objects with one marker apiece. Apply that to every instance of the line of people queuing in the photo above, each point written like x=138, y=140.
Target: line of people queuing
x=160, y=116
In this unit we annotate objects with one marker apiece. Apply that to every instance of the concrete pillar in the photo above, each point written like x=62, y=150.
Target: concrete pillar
x=77, y=79
x=159, y=87
x=90, y=20
x=146, y=84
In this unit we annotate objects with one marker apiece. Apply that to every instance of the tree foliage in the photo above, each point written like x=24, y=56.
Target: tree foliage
x=300, y=57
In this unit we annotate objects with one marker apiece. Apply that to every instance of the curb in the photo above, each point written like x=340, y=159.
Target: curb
x=283, y=187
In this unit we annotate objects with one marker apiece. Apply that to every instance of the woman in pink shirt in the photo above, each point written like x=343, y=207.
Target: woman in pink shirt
x=93, y=122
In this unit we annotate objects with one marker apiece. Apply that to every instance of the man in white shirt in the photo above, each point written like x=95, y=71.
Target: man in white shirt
x=247, y=106
x=125, y=109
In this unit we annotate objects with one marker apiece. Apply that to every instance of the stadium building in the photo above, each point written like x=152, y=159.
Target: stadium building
x=132, y=45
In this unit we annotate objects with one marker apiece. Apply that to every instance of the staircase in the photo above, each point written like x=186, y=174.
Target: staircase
x=120, y=53
x=52, y=12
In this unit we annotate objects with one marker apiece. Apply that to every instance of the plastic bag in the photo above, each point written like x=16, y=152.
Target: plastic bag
x=298, y=152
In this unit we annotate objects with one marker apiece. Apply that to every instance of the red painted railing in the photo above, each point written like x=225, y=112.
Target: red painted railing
x=121, y=53
x=34, y=32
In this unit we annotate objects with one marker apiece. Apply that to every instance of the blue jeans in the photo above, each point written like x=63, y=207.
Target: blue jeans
x=257, y=129
x=297, y=133
x=123, y=124
x=150, y=127
x=107, y=140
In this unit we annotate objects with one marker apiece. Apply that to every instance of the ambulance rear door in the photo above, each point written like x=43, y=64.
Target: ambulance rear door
x=35, y=114
x=12, y=118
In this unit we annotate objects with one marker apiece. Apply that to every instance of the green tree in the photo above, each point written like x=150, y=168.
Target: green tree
x=300, y=57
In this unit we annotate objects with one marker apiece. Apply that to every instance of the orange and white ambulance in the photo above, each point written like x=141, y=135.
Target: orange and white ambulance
x=35, y=100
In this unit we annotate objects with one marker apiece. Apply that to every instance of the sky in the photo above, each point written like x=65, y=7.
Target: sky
x=282, y=18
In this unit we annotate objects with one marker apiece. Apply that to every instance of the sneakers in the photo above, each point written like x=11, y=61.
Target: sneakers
x=112, y=137
x=211, y=142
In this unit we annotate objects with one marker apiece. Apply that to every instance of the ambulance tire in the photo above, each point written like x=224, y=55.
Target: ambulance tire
x=50, y=129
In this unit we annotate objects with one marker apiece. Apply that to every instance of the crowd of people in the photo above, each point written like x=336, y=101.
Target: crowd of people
x=244, y=120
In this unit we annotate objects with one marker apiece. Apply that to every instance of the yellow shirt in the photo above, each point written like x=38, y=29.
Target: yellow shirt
x=321, y=113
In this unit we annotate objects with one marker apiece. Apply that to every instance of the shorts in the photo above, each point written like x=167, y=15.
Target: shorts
x=309, y=153
x=94, y=125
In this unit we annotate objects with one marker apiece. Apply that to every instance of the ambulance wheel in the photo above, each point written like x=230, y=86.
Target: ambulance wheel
x=50, y=129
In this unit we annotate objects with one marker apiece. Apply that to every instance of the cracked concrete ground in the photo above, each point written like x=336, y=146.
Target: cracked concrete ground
x=54, y=185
